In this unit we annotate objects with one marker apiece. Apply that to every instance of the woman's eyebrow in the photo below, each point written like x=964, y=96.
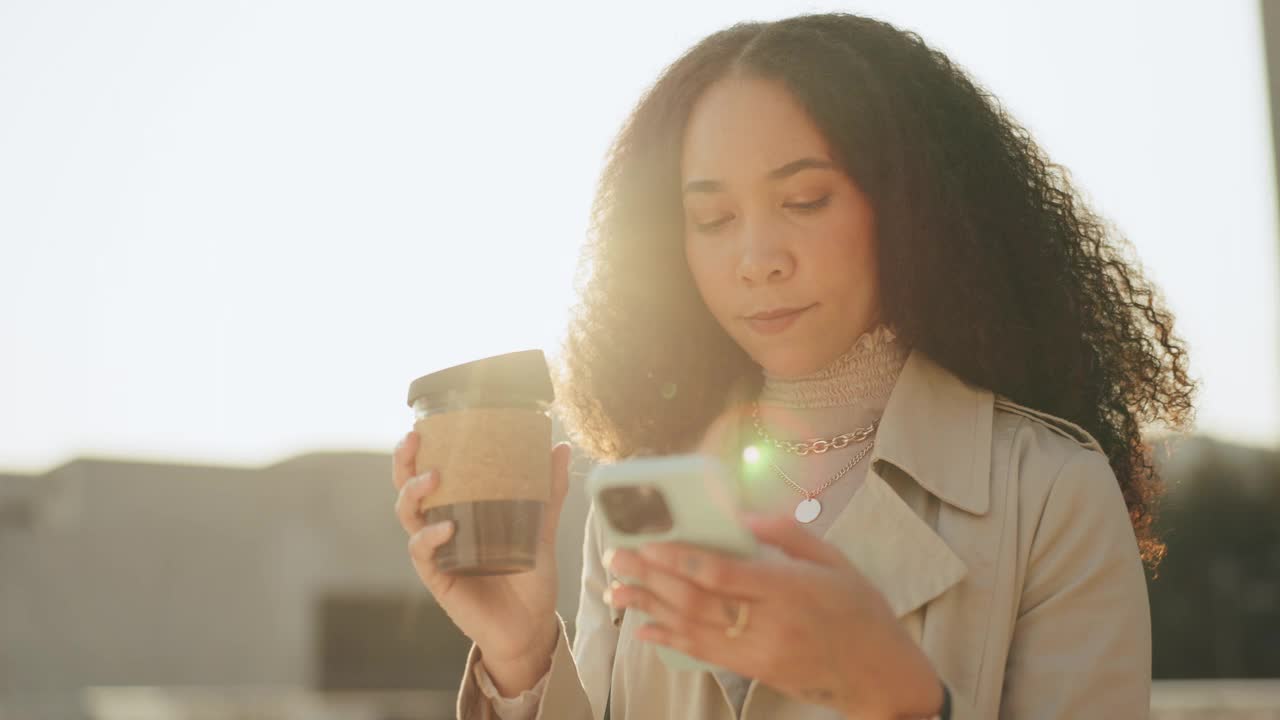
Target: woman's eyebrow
x=776, y=174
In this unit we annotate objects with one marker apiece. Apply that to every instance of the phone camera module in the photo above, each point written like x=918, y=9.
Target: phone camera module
x=636, y=509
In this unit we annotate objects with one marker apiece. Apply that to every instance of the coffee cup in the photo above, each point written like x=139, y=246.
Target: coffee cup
x=485, y=425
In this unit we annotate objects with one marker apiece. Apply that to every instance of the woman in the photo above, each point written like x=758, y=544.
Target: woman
x=820, y=246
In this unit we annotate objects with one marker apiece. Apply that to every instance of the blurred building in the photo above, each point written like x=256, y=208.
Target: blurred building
x=295, y=575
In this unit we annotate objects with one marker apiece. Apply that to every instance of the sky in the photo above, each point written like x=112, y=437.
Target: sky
x=234, y=232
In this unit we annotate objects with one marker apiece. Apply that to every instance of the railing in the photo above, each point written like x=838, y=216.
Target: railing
x=1215, y=700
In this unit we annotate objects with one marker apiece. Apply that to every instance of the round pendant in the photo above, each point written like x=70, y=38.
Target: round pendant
x=808, y=509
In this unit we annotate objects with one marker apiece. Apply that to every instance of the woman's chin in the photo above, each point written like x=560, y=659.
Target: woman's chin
x=789, y=365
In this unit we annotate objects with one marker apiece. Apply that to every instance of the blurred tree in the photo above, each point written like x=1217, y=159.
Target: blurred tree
x=1215, y=600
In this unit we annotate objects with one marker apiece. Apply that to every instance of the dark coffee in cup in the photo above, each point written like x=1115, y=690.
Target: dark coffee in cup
x=486, y=426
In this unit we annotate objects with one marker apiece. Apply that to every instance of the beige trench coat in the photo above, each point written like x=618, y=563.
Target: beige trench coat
x=998, y=535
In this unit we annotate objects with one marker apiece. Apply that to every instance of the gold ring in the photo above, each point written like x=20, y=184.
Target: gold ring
x=740, y=622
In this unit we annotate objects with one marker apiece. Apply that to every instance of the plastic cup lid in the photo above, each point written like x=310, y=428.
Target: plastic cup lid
x=522, y=374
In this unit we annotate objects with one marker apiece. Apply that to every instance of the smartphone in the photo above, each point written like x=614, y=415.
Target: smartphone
x=690, y=498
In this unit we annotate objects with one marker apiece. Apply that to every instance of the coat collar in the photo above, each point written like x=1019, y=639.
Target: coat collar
x=937, y=429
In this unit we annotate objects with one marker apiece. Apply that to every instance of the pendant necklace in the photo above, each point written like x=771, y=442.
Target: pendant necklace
x=808, y=509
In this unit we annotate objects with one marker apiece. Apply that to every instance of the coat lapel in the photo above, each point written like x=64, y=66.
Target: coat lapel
x=893, y=547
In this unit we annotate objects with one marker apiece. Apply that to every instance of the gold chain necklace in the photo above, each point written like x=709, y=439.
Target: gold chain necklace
x=816, y=446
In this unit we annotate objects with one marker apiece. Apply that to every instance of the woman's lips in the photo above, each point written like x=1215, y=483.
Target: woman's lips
x=775, y=325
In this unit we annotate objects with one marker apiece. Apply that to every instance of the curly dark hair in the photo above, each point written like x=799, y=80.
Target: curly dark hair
x=989, y=260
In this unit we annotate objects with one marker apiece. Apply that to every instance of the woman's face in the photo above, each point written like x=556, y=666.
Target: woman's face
x=752, y=160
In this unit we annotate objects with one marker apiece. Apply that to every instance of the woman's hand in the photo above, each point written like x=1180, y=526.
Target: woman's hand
x=510, y=617
x=817, y=629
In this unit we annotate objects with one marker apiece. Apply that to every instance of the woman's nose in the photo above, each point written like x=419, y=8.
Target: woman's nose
x=764, y=261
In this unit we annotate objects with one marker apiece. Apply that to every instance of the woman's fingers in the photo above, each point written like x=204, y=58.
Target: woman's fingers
x=560, y=459
x=410, y=499
x=669, y=599
x=412, y=488
x=402, y=460
x=422, y=547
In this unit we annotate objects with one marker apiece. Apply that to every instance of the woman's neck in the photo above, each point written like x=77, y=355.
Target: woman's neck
x=849, y=392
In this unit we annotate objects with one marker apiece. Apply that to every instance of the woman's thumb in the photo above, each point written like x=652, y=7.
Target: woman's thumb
x=561, y=454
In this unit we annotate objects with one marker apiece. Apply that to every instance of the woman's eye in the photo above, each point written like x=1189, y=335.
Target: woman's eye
x=815, y=205
x=802, y=207
x=711, y=226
